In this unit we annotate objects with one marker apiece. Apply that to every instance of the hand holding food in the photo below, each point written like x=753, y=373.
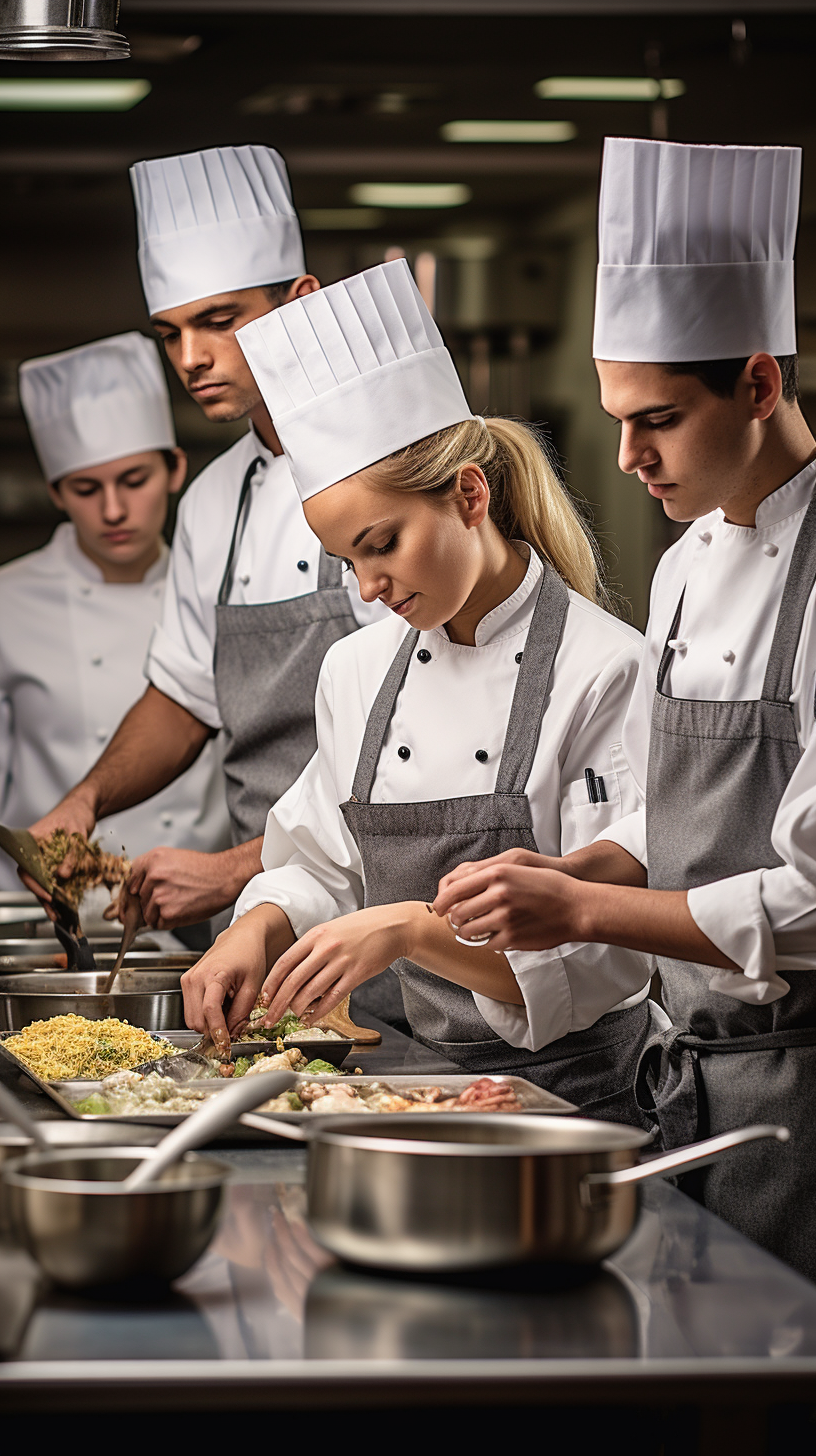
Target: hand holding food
x=221, y=989
x=326, y=964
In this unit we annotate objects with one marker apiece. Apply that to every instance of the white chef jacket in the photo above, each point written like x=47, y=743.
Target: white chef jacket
x=72, y=649
x=274, y=538
x=734, y=576
x=448, y=709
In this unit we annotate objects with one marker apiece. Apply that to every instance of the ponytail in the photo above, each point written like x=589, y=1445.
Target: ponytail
x=528, y=499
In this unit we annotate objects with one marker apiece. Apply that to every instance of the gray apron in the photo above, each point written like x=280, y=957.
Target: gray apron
x=717, y=771
x=407, y=848
x=267, y=662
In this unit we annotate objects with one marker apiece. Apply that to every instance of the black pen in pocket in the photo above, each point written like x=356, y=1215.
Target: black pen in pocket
x=596, y=788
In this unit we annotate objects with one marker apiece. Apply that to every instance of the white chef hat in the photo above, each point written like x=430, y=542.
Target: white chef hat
x=99, y=402
x=352, y=373
x=696, y=251
x=213, y=221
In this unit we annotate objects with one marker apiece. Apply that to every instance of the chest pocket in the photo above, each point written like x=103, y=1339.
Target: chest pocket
x=582, y=820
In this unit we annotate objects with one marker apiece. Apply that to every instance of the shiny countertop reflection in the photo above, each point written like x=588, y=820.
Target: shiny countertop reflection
x=684, y=1286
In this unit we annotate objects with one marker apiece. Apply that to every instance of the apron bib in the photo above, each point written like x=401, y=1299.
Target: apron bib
x=717, y=772
x=407, y=848
x=267, y=661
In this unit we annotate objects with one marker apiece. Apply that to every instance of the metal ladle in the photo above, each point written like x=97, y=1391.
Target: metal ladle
x=23, y=848
x=218, y=1112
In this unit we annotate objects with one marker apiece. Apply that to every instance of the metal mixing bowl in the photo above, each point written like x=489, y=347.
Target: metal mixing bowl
x=71, y=1133
x=150, y=999
x=69, y=1210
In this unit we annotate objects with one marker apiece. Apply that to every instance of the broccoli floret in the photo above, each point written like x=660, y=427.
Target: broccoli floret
x=94, y=1104
x=242, y=1065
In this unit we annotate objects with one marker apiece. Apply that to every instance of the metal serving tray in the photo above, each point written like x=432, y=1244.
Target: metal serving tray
x=532, y=1098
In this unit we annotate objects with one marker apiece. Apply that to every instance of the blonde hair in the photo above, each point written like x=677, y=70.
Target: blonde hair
x=528, y=499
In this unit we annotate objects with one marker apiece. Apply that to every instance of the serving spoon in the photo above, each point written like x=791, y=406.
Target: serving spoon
x=217, y=1113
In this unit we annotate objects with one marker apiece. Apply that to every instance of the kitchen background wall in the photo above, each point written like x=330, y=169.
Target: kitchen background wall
x=359, y=94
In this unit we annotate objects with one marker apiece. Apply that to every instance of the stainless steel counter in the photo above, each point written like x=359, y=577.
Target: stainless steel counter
x=687, y=1313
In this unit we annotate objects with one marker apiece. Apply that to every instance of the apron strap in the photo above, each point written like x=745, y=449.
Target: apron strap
x=668, y=652
x=226, y=580
x=329, y=572
x=798, y=587
x=380, y=717
x=533, y=682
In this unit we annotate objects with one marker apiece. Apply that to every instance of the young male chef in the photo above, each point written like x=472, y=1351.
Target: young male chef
x=252, y=602
x=77, y=615
x=695, y=346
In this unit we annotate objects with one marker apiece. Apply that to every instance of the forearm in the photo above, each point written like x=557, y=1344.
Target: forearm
x=155, y=742
x=655, y=921
x=602, y=862
x=237, y=866
x=432, y=944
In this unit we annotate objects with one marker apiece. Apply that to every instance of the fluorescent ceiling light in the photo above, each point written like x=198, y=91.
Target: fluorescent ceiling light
x=608, y=88
x=508, y=131
x=63, y=94
x=328, y=219
x=410, y=194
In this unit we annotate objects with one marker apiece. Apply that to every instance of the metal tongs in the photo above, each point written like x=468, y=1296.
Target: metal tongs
x=23, y=848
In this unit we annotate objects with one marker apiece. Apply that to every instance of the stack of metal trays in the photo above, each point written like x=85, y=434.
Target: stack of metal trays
x=21, y=914
x=48, y=955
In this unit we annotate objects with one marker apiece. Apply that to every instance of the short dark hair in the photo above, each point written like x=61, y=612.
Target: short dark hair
x=276, y=292
x=721, y=375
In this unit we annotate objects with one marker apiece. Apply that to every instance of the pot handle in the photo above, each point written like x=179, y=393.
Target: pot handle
x=273, y=1124
x=680, y=1160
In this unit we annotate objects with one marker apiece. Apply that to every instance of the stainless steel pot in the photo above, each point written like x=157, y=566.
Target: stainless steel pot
x=150, y=999
x=469, y=1191
x=70, y=1211
x=46, y=954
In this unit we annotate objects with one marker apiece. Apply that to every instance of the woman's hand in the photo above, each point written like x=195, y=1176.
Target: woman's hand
x=514, y=899
x=221, y=989
x=328, y=962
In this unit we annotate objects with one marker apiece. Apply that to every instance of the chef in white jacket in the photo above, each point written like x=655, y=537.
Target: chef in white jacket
x=695, y=345
x=486, y=711
x=251, y=604
x=77, y=615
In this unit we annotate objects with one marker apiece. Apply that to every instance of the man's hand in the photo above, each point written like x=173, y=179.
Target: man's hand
x=76, y=815
x=179, y=886
x=514, y=899
x=221, y=989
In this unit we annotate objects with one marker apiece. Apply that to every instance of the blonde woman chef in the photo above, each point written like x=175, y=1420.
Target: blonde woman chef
x=77, y=615
x=468, y=719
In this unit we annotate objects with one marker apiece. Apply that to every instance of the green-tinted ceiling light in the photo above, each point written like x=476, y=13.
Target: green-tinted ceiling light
x=608, y=88
x=52, y=93
x=508, y=131
x=410, y=194
x=61, y=30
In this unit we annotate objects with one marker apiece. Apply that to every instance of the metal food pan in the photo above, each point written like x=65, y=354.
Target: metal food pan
x=54, y=1089
x=532, y=1098
x=149, y=999
x=18, y=956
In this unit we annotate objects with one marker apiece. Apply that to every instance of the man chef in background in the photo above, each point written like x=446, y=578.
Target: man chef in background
x=252, y=601
x=78, y=614
x=695, y=344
